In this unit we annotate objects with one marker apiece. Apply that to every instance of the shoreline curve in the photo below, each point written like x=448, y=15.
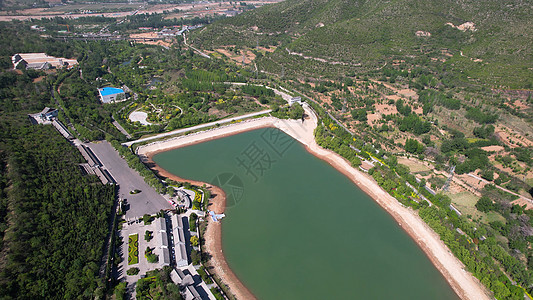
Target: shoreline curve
x=464, y=284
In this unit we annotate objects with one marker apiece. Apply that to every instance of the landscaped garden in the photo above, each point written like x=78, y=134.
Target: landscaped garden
x=133, y=249
x=150, y=256
x=197, y=200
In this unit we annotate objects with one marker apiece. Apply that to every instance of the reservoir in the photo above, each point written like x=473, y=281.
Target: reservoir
x=296, y=228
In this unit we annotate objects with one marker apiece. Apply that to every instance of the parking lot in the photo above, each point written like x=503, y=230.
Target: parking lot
x=147, y=201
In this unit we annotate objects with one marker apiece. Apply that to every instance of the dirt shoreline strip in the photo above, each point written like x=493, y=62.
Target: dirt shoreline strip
x=462, y=282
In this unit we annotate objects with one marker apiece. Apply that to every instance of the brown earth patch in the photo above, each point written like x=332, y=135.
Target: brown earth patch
x=493, y=148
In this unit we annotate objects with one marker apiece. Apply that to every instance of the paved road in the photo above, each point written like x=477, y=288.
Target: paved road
x=178, y=131
x=148, y=201
x=198, y=51
x=121, y=129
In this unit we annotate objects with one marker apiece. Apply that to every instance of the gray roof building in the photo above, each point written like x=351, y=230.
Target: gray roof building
x=179, y=235
x=177, y=221
x=161, y=225
x=191, y=293
x=164, y=239
x=181, y=255
x=41, y=61
x=178, y=277
x=180, y=222
x=62, y=129
x=164, y=258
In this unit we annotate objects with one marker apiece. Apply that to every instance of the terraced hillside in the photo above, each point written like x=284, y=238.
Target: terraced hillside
x=493, y=46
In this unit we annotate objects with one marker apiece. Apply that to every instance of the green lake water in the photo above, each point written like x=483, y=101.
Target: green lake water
x=296, y=228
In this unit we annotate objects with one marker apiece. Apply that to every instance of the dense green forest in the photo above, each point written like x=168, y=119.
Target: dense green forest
x=54, y=218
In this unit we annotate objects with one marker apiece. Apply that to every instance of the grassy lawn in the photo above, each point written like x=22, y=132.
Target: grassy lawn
x=414, y=166
x=493, y=216
x=465, y=202
x=133, y=249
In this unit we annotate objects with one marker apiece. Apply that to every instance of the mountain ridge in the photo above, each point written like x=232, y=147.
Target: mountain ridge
x=372, y=32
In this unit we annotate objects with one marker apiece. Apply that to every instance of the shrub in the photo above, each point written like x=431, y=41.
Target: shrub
x=148, y=235
x=194, y=240
x=195, y=257
x=192, y=222
x=218, y=295
x=413, y=146
x=150, y=256
x=204, y=276
x=133, y=271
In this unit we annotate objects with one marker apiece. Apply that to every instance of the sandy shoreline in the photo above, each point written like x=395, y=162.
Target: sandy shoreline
x=462, y=282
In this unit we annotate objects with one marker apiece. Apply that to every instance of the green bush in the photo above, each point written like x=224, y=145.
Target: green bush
x=148, y=235
x=133, y=271
x=195, y=257
x=218, y=295
x=204, y=275
x=192, y=222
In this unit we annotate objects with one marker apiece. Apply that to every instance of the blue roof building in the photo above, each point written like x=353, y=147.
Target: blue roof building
x=111, y=94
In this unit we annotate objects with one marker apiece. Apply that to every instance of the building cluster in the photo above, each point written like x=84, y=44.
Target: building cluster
x=94, y=166
x=46, y=116
x=187, y=282
x=174, y=31
x=180, y=252
x=162, y=236
x=41, y=61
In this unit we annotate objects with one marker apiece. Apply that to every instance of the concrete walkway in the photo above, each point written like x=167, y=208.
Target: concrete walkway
x=184, y=130
x=121, y=129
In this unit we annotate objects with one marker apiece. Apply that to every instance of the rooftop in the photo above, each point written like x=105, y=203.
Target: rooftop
x=110, y=91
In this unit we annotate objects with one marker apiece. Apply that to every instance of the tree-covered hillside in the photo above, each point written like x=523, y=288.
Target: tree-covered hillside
x=349, y=34
x=53, y=217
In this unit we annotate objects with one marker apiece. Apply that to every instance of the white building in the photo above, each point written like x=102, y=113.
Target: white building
x=179, y=241
x=41, y=61
x=295, y=100
x=111, y=94
x=161, y=232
